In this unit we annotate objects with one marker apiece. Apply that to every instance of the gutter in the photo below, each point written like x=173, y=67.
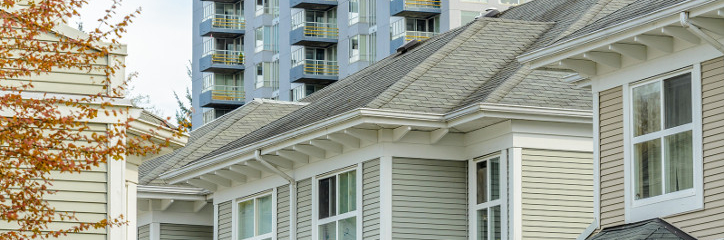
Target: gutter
x=684, y=19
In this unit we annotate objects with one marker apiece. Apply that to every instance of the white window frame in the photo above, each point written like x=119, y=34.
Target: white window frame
x=235, y=215
x=357, y=213
x=668, y=203
x=502, y=201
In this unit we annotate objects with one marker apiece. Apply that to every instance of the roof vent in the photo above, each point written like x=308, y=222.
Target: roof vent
x=491, y=12
x=407, y=46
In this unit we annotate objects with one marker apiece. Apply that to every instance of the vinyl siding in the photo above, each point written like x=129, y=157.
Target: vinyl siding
x=224, y=218
x=283, y=212
x=144, y=232
x=709, y=223
x=186, y=232
x=371, y=200
x=556, y=193
x=304, y=209
x=429, y=199
x=611, y=157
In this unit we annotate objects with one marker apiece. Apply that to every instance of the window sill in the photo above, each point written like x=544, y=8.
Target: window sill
x=664, y=205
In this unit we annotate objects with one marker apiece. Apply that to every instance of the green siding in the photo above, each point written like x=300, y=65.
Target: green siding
x=224, y=218
x=371, y=200
x=283, y=212
x=304, y=209
x=186, y=232
x=144, y=232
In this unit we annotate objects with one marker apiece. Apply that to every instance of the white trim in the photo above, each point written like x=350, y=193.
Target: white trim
x=235, y=215
x=597, y=159
x=386, y=198
x=667, y=203
x=116, y=177
x=516, y=158
x=154, y=231
x=216, y=222
x=357, y=213
x=293, y=210
x=502, y=200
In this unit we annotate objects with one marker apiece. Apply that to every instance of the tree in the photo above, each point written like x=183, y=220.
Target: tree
x=45, y=134
x=184, y=111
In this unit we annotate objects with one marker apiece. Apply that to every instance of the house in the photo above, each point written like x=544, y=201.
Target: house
x=655, y=71
x=109, y=190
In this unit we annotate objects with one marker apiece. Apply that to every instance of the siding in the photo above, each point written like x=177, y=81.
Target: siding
x=224, y=225
x=186, y=232
x=144, y=232
x=371, y=200
x=429, y=199
x=283, y=212
x=611, y=156
x=304, y=209
x=556, y=193
x=709, y=223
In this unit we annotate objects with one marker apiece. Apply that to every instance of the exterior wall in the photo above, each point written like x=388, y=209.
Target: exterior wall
x=304, y=209
x=283, y=213
x=144, y=232
x=224, y=221
x=429, y=199
x=611, y=157
x=371, y=200
x=186, y=232
x=556, y=193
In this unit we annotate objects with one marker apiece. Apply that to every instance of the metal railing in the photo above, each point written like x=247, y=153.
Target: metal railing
x=422, y=4
x=321, y=67
x=226, y=93
x=228, y=21
x=397, y=29
x=315, y=29
x=227, y=57
x=418, y=35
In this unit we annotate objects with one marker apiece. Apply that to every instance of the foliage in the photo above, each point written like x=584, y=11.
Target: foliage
x=185, y=109
x=42, y=135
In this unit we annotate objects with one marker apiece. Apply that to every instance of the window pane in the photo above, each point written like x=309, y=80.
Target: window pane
x=483, y=224
x=482, y=175
x=327, y=231
x=647, y=108
x=677, y=100
x=679, y=162
x=326, y=198
x=347, y=229
x=246, y=219
x=264, y=221
x=347, y=192
x=647, y=168
x=495, y=178
x=495, y=215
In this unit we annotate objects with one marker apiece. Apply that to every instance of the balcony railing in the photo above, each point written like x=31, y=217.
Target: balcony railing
x=422, y=4
x=228, y=21
x=227, y=57
x=418, y=35
x=321, y=67
x=226, y=93
x=315, y=29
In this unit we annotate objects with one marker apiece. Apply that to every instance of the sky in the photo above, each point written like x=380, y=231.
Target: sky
x=159, y=47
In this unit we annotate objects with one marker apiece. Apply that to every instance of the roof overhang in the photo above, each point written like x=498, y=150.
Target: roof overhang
x=631, y=42
x=331, y=135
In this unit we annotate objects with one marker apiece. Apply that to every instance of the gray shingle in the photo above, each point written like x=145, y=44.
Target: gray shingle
x=650, y=229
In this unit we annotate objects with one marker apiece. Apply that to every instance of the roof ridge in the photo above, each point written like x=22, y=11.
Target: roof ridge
x=266, y=100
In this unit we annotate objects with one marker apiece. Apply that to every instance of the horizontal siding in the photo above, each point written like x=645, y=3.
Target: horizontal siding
x=429, y=199
x=611, y=157
x=186, y=232
x=709, y=222
x=304, y=209
x=224, y=221
x=371, y=200
x=283, y=212
x=551, y=209
x=144, y=232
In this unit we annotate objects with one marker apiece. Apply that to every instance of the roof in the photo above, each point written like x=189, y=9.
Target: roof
x=215, y=134
x=650, y=229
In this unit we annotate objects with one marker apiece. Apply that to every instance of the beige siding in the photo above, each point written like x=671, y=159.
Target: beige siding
x=283, y=212
x=611, y=157
x=224, y=218
x=144, y=232
x=557, y=197
x=429, y=199
x=304, y=209
x=371, y=200
x=186, y=232
x=709, y=223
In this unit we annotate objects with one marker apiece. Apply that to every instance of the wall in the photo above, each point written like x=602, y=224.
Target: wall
x=611, y=157
x=186, y=232
x=371, y=200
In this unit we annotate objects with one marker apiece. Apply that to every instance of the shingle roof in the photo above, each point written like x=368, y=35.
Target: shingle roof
x=650, y=229
x=215, y=134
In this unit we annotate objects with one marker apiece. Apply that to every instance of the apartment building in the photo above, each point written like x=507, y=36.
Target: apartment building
x=286, y=50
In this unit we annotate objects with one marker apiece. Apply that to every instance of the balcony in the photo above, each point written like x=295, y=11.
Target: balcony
x=415, y=8
x=222, y=61
x=221, y=25
x=313, y=34
x=314, y=71
x=220, y=96
x=314, y=4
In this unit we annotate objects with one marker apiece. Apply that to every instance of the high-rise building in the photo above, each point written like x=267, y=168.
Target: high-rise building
x=288, y=49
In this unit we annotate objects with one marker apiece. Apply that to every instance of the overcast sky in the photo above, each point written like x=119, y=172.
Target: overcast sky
x=159, y=46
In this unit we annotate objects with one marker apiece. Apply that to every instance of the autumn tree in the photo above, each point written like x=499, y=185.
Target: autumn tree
x=46, y=134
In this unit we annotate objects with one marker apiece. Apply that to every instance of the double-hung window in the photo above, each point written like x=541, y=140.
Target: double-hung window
x=255, y=218
x=488, y=199
x=337, y=209
x=664, y=153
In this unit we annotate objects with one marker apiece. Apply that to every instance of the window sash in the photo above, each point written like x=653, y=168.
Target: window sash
x=255, y=206
x=489, y=204
x=336, y=217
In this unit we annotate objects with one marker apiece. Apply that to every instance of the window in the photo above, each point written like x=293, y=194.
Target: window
x=354, y=49
x=255, y=218
x=362, y=47
x=266, y=38
x=267, y=75
x=354, y=11
x=337, y=206
x=664, y=162
x=267, y=7
x=487, y=201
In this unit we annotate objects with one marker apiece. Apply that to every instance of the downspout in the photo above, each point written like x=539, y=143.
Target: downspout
x=257, y=156
x=292, y=192
x=684, y=19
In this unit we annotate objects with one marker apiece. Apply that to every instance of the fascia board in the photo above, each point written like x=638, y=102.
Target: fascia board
x=549, y=54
